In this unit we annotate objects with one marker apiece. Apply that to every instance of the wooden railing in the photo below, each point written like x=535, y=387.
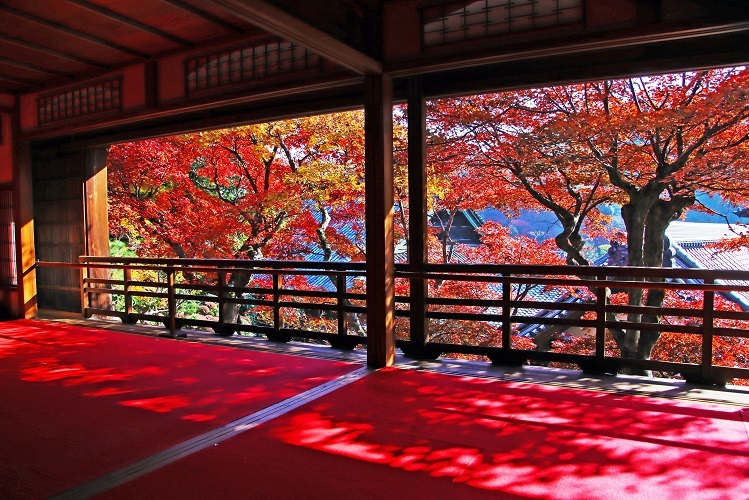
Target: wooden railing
x=587, y=306
x=176, y=281
x=592, y=310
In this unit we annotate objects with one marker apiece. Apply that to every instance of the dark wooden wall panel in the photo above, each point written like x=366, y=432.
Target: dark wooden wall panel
x=59, y=226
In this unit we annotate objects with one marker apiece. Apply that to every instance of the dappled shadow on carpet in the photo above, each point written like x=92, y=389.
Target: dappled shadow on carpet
x=80, y=402
x=407, y=434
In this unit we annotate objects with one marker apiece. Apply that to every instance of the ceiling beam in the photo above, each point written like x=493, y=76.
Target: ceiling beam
x=133, y=23
x=51, y=52
x=204, y=14
x=34, y=67
x=72, y=32
x=17, y=81
x=270, y=18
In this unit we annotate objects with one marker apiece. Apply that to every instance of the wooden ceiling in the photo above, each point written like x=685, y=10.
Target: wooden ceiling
x=46, y=43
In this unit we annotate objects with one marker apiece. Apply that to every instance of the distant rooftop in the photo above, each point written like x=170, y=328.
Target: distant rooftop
x=691, y=242
x=684, y=232
x=693, y=239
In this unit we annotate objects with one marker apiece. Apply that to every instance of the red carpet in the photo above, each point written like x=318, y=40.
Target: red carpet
x=407, y=434
x=76, y=403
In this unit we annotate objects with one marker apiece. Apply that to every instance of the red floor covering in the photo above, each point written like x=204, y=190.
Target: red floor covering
x=408, y=434
x=76, y=403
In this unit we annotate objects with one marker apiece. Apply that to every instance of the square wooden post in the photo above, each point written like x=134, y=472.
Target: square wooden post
x=417, y=219
x=96, y=222
x=24, y=213
x=378, y=134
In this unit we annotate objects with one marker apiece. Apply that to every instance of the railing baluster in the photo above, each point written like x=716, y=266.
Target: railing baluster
x=277, y=321
x=506, y=313
x=418, y=322
x=506, y=356
x=341, y=303
x=278, y=324
x=126, y=278
x=85, y=302
x=171, y=301
x=221, y=299
x=342, y=340
x=602, y=295
x=708, y=317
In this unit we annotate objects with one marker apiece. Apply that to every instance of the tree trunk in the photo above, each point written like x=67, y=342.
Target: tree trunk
x=230, y=310
x=647, y=216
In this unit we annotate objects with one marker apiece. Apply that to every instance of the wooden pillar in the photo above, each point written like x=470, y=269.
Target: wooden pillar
x=24, y=211
x=417, y=219
x=95, y=217
x=378, y=132
x=95, y=199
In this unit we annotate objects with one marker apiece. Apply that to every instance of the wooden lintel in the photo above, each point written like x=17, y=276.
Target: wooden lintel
x=324, y=96
x=274, y=20
x=439, y=62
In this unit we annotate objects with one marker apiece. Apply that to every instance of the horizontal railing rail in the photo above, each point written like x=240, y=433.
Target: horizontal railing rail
x=512, y=303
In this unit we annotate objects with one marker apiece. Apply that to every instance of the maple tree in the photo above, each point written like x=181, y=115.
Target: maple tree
x=496, y=246
x=294, y=189
x=648, y=144
x=454, y=189
x=279, y=190
x=676, y=346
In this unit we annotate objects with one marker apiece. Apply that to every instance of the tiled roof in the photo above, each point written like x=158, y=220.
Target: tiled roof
x=682, y=232
x=691, y=242
x=710, y=258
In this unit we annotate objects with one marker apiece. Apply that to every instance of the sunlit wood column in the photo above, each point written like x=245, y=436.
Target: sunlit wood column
x=378, y=132
x=24, y=213
x=96, y=217
x=417, y=218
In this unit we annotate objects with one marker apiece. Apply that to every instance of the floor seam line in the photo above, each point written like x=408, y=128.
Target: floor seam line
x=165, y=457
